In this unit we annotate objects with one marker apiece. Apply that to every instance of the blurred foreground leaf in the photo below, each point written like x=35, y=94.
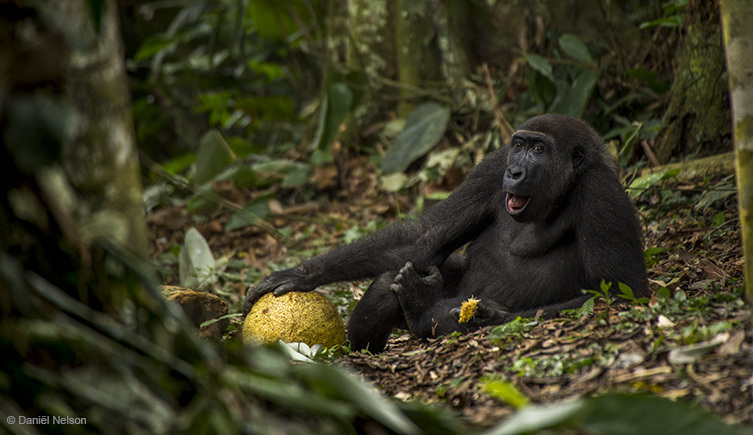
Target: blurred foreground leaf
x=506, y=392
x=617, y=414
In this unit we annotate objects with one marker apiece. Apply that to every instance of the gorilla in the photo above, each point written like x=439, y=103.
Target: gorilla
x=541, y=219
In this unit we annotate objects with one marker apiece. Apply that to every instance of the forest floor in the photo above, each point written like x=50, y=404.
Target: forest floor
x=691, y=343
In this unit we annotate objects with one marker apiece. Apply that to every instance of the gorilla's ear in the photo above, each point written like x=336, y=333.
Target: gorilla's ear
x=578, y=156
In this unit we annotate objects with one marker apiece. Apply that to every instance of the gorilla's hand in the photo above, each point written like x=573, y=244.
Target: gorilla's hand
x=279, y=282
x=487, y=313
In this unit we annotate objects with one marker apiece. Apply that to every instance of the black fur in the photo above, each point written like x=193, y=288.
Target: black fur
x=543, y=217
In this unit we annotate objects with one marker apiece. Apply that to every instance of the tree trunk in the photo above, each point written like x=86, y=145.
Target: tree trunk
x=431, y=51
x=396, y=55
x=370, y=46
x=68, y=147
x=101, y=159
x=698, y=119
x=738, y=41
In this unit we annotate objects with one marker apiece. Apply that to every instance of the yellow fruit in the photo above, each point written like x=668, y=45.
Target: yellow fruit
x=468, y=309
x=294, y=317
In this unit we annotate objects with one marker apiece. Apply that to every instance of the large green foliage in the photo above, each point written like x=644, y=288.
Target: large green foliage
x=230, y=65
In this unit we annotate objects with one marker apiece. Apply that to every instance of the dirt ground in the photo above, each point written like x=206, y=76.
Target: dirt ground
x=547, y=360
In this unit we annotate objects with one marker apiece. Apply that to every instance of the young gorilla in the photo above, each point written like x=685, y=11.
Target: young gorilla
x=543, y=217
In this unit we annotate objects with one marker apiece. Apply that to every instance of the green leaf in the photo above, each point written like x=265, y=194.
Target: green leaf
x=271, y=70
x=270, y=172
x=196, y=259
x=335, y=106
x=718, y=219
x=242, y=174
x=152, y=46
x=212, y=157
x=286, y=394
x=216, y=104
x=649, y=78
x=357, y=393
x=721, y=191
x=515, y=328
x=680, y=296
x=251, y=213
x=586, y=309
x=203, y=199
x=273, y=18
x=443, y=160
x=664, y=293
x=423, y=129
x=438, y=196
x=226, y=316
x=674, y=6
x=572, y=99
x=627, y=292
x=640, y=184
x=393, y=182
x=321, y=157
x=177, y=164
x=292, y=174
x=296, y=174
x=541, y=65
x=671, y=21
x=575, y=48
x=242, y=146
x=506, y=392
x=627, y=414
x=269, y=107
x=540, y=417
x=617, y=414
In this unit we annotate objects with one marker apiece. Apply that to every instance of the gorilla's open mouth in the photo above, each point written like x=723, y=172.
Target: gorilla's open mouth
x=515, y=203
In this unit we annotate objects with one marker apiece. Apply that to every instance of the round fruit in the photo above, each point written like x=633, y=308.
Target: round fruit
x=294, y=317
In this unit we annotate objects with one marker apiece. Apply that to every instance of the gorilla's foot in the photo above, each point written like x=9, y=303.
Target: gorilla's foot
x=410, y=282
x=414, y=290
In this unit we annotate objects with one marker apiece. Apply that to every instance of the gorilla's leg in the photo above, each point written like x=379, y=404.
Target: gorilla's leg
x=375, y=315
x=452, y=271
x=417, y=292
x=426, y=297
x=379, y=311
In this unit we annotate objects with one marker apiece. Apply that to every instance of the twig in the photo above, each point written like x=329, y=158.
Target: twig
x=650, y=153
x=504, y=126
x=218, y=200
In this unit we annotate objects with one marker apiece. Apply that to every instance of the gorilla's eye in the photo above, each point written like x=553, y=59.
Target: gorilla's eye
x=517, y=144
x=538, y=148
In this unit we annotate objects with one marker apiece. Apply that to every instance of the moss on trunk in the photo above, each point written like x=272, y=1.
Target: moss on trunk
x=698, y=118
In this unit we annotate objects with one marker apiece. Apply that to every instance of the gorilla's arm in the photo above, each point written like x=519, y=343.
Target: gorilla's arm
x=426, y=242
x=442, y=317
x=608, y=234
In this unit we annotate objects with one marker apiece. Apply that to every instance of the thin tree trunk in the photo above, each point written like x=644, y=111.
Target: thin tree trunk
x=738, y=41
